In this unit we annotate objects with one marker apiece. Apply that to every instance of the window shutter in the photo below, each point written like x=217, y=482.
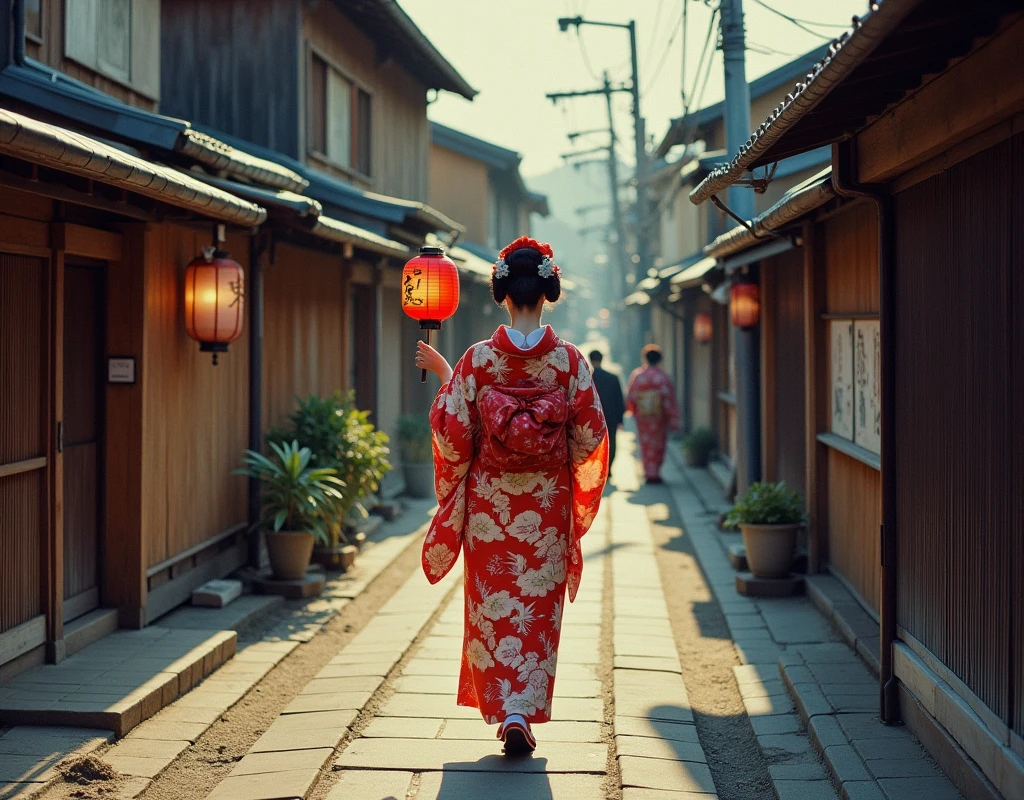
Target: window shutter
x=80, y=18
x=365, y=132
x=339, y=119
x=114, y=43
x=145, y=63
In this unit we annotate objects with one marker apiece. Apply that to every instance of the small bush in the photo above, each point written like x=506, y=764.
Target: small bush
x=414, y=438
x=767, y=504
x=700, y=441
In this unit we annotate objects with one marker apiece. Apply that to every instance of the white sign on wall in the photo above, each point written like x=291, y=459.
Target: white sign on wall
x=867, y=359
x=841, y=399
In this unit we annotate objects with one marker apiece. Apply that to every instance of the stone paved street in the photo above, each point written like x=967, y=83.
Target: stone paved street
x=670, y=686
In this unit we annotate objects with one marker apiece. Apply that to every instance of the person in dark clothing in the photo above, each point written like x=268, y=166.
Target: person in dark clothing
x=610, y=391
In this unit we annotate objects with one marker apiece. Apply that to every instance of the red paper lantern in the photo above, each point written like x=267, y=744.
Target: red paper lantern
x=702, y=327
x=214, y=301
x=744, y=305
x=430, y=288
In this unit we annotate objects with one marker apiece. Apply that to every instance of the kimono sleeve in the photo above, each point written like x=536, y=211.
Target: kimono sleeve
x=668, y=403
x=453, y=423
x=588, y=464
x=631, y=390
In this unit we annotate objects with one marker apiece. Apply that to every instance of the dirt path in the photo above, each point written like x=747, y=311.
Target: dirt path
x=707, y=656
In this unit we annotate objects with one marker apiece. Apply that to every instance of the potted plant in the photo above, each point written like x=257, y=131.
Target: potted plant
x=415, y=443
x=342, y=438
x=298, y=500
x=698, y=445
x=769, y=516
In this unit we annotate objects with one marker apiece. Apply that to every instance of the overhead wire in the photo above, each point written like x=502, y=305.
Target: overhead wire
x=657, y=19
x=800, y=23
x=668, y=49
x=682, y=70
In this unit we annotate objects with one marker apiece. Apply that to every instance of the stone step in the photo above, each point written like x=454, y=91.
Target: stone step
x=82, y=632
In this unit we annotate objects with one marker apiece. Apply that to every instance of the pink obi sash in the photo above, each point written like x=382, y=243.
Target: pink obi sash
x=523, y=426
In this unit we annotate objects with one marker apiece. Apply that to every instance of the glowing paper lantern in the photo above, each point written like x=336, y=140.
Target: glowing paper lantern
x=702, y=329
x=744, y=305
x=214, y=301
x=430, y=290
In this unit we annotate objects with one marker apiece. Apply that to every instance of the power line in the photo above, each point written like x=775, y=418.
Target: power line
x=801, y=23
x=682, y=70
x=657, y=19
x=765, y=50
x=668, y=48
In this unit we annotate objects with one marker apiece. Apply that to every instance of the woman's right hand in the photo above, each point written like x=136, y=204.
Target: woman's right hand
x=428, y=358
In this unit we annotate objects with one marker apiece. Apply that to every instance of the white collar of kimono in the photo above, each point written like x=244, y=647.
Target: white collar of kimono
x=524, y=341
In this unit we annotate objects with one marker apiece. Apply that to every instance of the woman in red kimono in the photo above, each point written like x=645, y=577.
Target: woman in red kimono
x=652, y=401
x=520, y=461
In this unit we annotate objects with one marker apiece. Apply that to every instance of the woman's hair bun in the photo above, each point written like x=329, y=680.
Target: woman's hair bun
x=524, y=284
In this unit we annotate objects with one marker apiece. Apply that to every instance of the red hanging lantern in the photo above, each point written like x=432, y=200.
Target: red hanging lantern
x=744, y=305
x=702, y=329
x=214, y=301
x=430, y=290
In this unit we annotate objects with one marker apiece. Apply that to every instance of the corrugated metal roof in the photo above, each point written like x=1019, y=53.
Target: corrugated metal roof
x=58, y=148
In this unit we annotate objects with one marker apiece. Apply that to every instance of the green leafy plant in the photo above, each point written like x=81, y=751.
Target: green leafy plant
x=414, y=438
x=295, y=496
x=342, y=438
x=767, y=504
x=700, y=441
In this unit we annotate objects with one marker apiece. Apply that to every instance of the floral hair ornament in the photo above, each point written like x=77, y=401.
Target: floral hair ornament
x=545, y=269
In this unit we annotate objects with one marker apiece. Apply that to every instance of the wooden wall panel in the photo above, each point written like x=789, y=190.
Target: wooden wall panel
x=400, y=132
x=854, y=514
x=458, y=187
x=701, y=402
x=195, y=415
x=304, y=321
x=851, y=260
x=23, y=297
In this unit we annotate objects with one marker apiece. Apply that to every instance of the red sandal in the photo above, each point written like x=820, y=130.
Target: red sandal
x=516, y=734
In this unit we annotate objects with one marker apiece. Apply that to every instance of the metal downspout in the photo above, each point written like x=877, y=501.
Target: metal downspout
x=843, y=170
x=18, y=13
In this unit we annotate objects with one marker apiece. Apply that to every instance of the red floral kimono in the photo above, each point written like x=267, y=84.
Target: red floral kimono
x=652, y=401
x=520, y=462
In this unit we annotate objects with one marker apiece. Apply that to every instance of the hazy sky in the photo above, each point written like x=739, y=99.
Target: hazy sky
x=513, y=53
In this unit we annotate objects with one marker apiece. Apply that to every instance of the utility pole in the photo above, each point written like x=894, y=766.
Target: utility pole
x=741, y=201
x=607, y=90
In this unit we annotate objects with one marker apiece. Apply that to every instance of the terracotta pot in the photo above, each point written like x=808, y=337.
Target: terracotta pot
x=419, y=479
x=769, y=549
x=290, y=552
x=341, y=556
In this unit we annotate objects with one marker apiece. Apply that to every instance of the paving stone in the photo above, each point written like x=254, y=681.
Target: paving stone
x=284, y=738
x=766, y=706
x=867, y=726
x=427, y=705
x=548, y=732
x=286, y=785
x=918, y=767
x=825, y=732
x=845, y=703
x=431, y=666
x=26, y=740
x=862, y=790
x=328, y=702
x=354, y=784
x=655, y=773
x=778, y=723
x=811, y=771
x=655, y=728
x=25, y=769
x=139, y=766
x=905, y=747
x=146, y=748
x=647, y=747
x=259, y=763
x=648, y=663
x=326, y=685
x=785, y=746
x=633, y=645
x=755, y=674
x=765, y=689
x=634, y=793
x=804, y=790
x=845, y=765
x=918, y=789
x=423, y=755
x=452, y=784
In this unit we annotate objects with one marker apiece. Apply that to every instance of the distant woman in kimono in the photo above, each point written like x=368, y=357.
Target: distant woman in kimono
x=520, y=462
x=652, y=401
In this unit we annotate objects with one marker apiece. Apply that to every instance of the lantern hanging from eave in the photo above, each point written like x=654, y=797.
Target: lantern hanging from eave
x=744, y=304
x=702, y=327
x=430, y=290
x=214, y=301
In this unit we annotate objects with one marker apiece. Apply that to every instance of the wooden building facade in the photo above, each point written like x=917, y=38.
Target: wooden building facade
x=911, y=271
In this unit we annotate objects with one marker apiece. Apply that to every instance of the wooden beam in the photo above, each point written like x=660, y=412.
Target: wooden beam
x=26, y=233
x=78, y=240
x=973, y=95
x=53, y=545
x=124, y=583
x=815, y=396
x=768, y=325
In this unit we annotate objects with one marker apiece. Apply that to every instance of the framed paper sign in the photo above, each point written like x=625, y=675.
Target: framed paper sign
x=841, y=395
x=867, y=367
x=120, y=369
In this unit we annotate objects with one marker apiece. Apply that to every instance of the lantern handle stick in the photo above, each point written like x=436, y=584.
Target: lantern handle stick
x=423, y=372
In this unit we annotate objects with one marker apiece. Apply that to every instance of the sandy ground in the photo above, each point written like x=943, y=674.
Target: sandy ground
x=707, y=657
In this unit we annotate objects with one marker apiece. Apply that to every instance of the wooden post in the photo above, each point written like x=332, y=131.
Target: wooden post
x=768, y=388
x=816, y=382
x=53, y=561
x=125, y=551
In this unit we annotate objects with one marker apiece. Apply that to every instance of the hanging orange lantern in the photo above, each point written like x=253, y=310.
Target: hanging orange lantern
x=744, y=305
x=430, y=290
x=702, y=327
x=214, y=301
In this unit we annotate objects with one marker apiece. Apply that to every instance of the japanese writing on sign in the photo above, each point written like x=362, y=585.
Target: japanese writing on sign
x=411, y=295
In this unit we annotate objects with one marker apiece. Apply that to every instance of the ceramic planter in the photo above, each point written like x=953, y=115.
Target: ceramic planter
x=341, y=556
x=695, y=458
x=289, y=552
x=769, y=549
x=419, y=479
